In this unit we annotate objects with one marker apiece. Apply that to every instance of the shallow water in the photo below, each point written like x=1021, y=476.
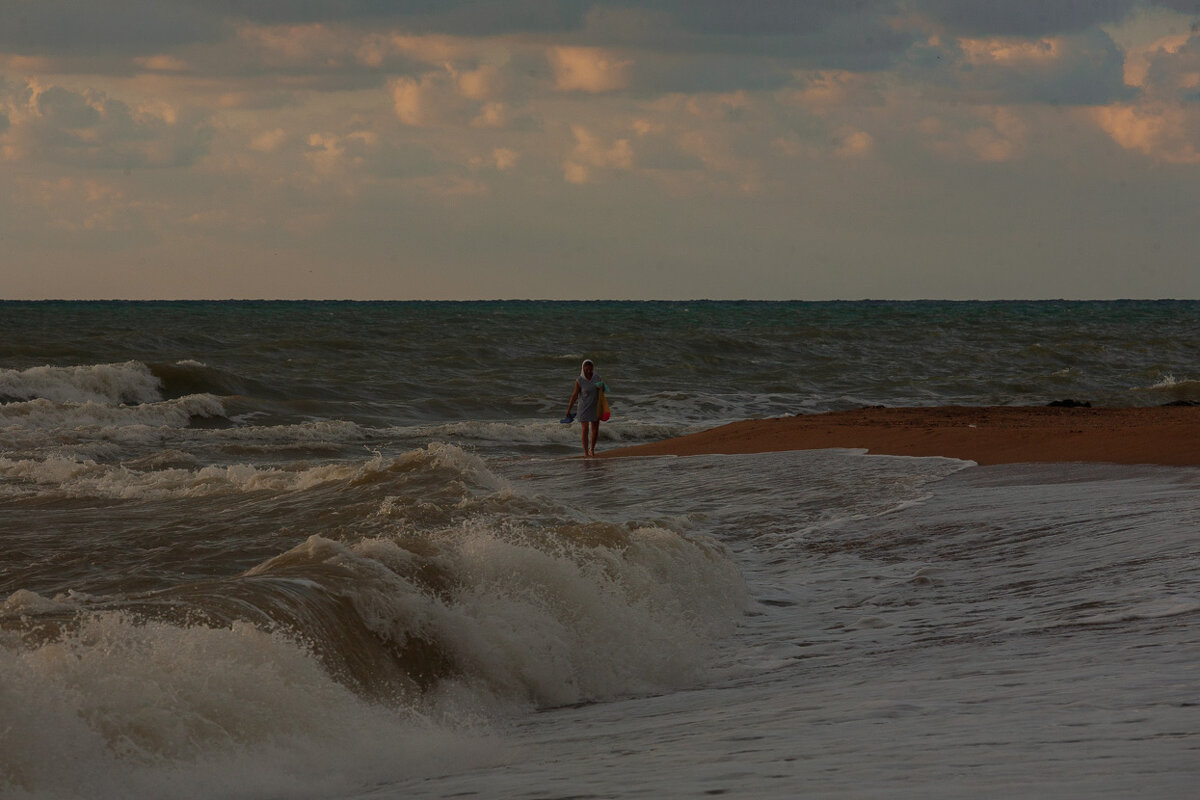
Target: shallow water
x=992, y=638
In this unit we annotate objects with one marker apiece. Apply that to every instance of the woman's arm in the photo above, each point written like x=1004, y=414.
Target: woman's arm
x=574, y=397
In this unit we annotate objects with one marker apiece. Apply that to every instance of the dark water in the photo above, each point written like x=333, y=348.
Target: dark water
x=689, y=363
x=333, y=550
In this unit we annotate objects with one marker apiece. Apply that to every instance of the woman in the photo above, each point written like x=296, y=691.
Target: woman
x=587, y=391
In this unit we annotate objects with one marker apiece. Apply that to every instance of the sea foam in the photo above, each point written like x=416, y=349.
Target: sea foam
x=147, y=709
x=130, y=382
x=350, y=660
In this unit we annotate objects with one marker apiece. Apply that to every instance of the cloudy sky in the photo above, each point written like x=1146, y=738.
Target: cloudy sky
x=777, y=149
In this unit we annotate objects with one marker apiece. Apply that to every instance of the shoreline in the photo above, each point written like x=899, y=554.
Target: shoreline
x=1163, y=435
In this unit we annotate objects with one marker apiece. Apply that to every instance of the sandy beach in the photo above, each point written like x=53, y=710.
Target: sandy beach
x=1167, y=435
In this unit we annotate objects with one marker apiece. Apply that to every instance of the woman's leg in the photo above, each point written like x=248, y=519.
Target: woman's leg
x=583, y=427
x=595, y=435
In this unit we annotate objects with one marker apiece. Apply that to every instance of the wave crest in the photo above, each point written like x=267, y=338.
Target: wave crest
x=1174, y=388
x=109, y=384
x=430, y=589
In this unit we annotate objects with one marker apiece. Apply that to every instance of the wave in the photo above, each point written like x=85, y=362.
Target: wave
x=130, y=382
x=109, y=384
x=42, y=430
x=70, y=415
x=126, y=707
x=165, y=474
x=506, y=614
x=99, y=406
x=69, y=477
x=194, y=377
x=442, y=594
x=1173, y=388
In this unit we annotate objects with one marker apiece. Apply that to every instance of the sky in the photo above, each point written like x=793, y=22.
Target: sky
x=633, y=149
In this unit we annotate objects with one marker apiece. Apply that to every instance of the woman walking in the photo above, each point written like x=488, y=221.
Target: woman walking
x=587, y=391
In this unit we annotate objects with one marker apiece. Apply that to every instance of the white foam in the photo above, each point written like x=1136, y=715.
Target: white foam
x=109, y=384
x=1165, y=382
x=544, y=620
x=471, y=466
x=121, y=709
x=90, y=416
x=321, y=431
x=1180, y=389
x=73, y=476
x=23, y=602
x=528, y=614
x=69, y=477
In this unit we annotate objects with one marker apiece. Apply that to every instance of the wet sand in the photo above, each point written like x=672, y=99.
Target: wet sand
x=1168, y=435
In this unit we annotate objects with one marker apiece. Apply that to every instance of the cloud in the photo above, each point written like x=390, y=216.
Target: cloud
x=1161, y=132
x=591, y=154
x=683, y=47
x=505, y=158
x=1030, y=18
x=699, y=45
x=491, y=115
x=269, y=141
x=328, y=152
x=501, y=159
x=76, y=205
x=853, y=143
x=1172, y=68
x=722, y=158
x=313, y=47
x=1182, y=6
x=824, y=90
x=466, y=17
x=1083, y=69
x=481, y=83
x=717, y=18
x=162, y=63
x=93, y=130
x=588, y=69
x=357, y=158
x=432, y=99
x=987, y=134
x=105, y=26
x=1163, y=123
x=454, y=95
x=769, y=17
x=250, y=97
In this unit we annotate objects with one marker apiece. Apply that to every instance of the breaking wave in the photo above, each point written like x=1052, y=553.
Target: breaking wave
x=443, y=594
x=109, y=384
x=1173, y=389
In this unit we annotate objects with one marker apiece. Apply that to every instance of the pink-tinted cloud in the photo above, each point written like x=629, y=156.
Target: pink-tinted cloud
x=592, y=154
x=1164, y=122
x=589, y=69
x=1161, y=132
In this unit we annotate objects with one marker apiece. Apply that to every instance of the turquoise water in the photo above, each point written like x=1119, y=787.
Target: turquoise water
x=332, y=550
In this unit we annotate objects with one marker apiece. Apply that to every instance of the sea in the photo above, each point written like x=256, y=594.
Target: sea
x=348, y=550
